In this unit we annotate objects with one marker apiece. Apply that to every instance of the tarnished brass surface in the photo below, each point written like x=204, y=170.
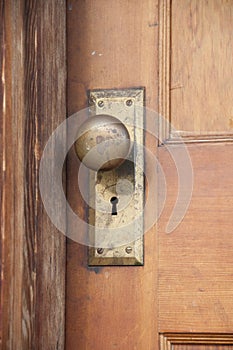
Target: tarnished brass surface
x=103, y=142
x=105, y=186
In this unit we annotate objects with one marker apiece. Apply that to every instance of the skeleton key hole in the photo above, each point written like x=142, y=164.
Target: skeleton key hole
x=114, y=201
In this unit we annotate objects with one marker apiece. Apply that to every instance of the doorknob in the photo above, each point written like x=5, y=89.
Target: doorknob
x=110, y=144
x=103, y=142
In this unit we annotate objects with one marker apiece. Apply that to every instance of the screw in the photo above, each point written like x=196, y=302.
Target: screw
x=129, y=103
x=128, y=250
x=100, y=250
x=101, y=104
x=91, y=100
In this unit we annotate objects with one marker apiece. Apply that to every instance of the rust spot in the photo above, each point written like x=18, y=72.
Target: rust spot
x=99, y=139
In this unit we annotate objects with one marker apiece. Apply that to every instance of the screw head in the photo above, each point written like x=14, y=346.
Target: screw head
x=91, y=100
x=128, y=250
x=100, y=250
x=129, y=103
x=101, y=104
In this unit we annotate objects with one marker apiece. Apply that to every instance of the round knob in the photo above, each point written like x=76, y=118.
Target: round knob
x=103, y=142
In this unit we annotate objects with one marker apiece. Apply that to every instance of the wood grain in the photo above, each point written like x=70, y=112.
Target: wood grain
x=33, y=251
x=164, y=68
x=195, y=260
x=12, y=168
x=196, y=341
x=111, y=44
x=195, y=69
x=201, y=67
x=51, y=109
x=186, y=283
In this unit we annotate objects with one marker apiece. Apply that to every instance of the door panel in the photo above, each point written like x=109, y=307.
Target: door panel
x=201, y=67
x=111, y=44
x=196, y=260
x=180, y=51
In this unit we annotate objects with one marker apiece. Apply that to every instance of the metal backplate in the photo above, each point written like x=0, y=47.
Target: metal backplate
x=126, y=183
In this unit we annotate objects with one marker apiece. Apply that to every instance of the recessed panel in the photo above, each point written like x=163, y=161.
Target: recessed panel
x=201, y=64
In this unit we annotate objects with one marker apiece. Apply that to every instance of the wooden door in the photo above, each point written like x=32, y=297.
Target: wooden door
x=181, y=52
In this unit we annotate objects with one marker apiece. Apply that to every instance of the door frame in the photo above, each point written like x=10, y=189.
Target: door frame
x=32, y=105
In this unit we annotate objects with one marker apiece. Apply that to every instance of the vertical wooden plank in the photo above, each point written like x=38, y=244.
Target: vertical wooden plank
x=51, y=55
x=110, y=307
x=33, y=104
x=30, y=261
x=12, y=171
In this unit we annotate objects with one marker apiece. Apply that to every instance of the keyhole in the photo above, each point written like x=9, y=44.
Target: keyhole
x=114, y=201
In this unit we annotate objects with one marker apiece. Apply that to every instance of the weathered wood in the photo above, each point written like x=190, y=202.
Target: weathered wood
x=12, y=186
x=33, y=251
x=51, y=112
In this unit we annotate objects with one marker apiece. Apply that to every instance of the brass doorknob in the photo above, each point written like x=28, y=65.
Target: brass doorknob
x=103, y=142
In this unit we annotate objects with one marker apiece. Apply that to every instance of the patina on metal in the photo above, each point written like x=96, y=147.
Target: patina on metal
x=122, y=204
x=103, y=142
